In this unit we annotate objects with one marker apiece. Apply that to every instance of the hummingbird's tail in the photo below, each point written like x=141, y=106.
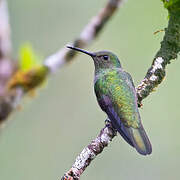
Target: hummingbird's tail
x=136, y=137
x=139, y=139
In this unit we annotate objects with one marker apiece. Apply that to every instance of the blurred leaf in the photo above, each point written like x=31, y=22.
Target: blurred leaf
x=28, y=58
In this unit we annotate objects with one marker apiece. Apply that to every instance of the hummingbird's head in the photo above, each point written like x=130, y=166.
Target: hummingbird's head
x=102, y=59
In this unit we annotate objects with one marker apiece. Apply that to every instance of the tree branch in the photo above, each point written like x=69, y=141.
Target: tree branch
x=10, y=97
x=5, y=42
x=57, y=60
x=170, y=46
x=90, y=152
x=88, y=34
x=7, y=67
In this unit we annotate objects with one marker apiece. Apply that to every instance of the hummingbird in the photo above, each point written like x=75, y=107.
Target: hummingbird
x=116, y=95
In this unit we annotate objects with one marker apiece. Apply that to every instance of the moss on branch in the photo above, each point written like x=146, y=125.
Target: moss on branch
x=170, y=47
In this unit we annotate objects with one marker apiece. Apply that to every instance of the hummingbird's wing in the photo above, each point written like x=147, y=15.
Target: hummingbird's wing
x=106, y=105
x=116, y=96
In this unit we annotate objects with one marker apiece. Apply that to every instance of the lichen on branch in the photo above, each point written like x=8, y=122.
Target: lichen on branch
x=90, y=152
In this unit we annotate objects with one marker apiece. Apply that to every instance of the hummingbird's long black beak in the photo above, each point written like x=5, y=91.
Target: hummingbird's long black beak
x=81, y=50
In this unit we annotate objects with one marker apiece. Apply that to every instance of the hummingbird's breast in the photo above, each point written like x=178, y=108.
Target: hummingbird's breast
x=117, y=85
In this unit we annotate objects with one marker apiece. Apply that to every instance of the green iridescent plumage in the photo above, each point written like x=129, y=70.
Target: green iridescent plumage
x=116, y=96
x=117, y=85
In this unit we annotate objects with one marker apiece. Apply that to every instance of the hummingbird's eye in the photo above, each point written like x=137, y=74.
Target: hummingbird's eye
x=105, y=57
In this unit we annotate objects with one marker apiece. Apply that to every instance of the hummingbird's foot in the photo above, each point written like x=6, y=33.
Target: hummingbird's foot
x=107, y=121
x=140, y=105
x=68, y=177
x=109, y=125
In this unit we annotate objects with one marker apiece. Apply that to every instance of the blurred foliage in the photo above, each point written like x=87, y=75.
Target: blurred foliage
x=29, y=79
x=31, y=72
x=28, y=59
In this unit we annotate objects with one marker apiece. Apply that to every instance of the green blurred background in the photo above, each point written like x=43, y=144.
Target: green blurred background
x=42, y=140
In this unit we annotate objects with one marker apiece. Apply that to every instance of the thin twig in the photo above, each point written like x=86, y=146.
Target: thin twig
x=89, y=33
x=7, y=67
x=170, y=46
x=64, y=55
x=90, y=152
x=5, y=42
